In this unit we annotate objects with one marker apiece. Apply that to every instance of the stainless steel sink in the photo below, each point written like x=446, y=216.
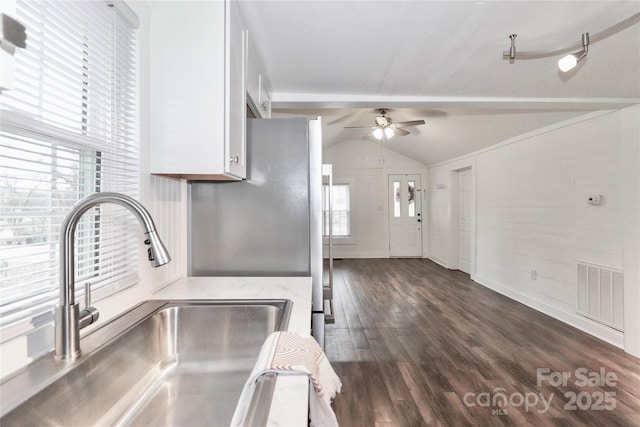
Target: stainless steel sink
x=171, y=363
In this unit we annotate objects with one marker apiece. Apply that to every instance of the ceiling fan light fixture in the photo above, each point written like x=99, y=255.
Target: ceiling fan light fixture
x=384, y=128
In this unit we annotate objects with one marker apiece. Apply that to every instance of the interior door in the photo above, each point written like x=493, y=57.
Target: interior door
x=405, y=216
x=464, y=220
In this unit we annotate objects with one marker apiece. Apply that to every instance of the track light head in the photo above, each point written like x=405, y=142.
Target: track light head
x=570, y=61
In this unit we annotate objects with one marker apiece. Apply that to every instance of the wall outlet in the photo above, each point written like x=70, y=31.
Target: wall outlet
x=534, y=274
x=595, y=200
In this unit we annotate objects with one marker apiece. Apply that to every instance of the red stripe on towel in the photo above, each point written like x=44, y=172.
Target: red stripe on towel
x=294, y=350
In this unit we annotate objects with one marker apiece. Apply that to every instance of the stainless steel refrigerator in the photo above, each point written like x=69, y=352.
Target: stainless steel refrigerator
x=271, y=223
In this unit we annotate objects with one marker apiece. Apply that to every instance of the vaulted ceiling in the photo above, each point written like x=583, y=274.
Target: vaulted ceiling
x=442, y=61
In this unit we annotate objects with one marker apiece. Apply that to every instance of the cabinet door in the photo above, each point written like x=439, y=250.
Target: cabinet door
x=187, y=89
x=264, y=100
x=235, y=96
x=253, y=76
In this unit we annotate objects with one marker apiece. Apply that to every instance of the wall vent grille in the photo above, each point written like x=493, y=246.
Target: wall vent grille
x=601, y=294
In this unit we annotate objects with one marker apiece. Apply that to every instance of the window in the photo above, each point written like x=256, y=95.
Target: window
x=341, y=211
x=68, y=129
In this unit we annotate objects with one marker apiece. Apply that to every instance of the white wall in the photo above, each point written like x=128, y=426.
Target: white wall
x=442, y=214
x=365, y=166
x=532, y=214
x=166, y=201
x=630, y=191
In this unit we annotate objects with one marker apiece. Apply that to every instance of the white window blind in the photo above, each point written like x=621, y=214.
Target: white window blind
x=341, y=210
x=68, y=129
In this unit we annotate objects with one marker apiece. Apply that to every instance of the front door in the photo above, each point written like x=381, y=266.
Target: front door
x=405, y=216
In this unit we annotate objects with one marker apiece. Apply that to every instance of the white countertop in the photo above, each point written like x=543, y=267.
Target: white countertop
x=290, y=399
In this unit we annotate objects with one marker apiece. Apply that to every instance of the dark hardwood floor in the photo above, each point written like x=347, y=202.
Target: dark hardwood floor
x=416, y=344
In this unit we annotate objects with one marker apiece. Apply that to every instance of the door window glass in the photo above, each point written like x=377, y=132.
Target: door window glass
x=411, y=188
x=396, y=199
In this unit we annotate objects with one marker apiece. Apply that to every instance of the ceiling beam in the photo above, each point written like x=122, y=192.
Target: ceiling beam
x=284, y=101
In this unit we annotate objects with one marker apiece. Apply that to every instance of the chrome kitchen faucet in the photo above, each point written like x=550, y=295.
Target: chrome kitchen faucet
x=68, y=317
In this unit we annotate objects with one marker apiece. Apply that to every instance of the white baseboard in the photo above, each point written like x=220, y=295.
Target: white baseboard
x=336, y=254
x=439, y=261
x=602, y=332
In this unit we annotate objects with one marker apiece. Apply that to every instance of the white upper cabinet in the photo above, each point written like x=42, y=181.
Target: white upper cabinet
x=198, y=62
x=258, y=97
x=264, y=101
x=253, y=77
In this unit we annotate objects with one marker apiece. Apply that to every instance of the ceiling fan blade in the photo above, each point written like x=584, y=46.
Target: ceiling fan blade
x=360, y=127
x=408, y=123
x=401, y=132
x=367, y=136
x=342, y=118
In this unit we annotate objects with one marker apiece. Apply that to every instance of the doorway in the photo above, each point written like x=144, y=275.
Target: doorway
x=405, y=215
x=465, y=220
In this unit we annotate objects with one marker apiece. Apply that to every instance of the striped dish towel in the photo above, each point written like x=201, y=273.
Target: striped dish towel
x=289, y=353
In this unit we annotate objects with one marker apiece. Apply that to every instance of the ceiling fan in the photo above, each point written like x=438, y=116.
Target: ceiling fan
x=385, y=128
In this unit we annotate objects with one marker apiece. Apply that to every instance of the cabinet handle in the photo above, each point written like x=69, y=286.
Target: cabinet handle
x=234, y=159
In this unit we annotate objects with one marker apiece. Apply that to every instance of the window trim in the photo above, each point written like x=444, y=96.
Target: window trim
x=351, y=239
x=28, y=311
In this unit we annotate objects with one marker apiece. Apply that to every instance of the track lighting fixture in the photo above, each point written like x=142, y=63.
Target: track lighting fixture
x=568, y=62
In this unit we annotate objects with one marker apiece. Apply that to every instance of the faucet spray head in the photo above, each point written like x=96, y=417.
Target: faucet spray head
x=156, y=251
